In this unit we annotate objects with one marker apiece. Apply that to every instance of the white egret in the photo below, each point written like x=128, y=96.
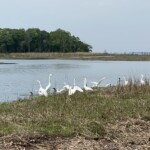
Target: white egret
x=126, y=82
x=43, y=91
x=142, y=80
x=77, y=88
x=66, y=86
x=86, y=88
x=96, y=84
x=71, y=90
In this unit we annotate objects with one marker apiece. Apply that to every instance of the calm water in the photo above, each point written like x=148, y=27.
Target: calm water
x=17, y=80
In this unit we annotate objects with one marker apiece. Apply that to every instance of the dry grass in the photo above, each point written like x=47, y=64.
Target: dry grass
x=79, y=55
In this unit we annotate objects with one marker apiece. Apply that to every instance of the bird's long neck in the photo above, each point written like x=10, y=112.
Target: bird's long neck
x=85, y=82
x=39, y=83
x=49, y=83
x=101, y=80
x=50, y=78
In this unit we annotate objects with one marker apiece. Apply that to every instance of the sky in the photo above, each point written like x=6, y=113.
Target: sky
x=108, y=25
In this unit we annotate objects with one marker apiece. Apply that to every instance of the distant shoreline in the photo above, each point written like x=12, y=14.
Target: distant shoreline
x=76, y=56
x=3, y=63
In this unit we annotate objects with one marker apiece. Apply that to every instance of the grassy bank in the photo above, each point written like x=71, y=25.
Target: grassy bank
x=76, y=56
x=88, y=114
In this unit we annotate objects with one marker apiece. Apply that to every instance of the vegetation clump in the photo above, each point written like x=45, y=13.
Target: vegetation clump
x=36, y=40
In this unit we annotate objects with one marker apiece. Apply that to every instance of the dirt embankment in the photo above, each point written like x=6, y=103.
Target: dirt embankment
x=133, y=134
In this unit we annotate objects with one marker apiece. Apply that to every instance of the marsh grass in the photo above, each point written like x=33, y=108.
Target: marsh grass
x=77, y=55
x=86, y=113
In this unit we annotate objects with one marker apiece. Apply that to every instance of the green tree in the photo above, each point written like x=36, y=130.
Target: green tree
x=35, y=40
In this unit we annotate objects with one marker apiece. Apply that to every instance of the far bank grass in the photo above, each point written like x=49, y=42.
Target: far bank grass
x=86, y=114
x=76, y=56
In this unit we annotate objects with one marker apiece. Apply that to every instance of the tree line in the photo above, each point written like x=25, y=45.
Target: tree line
x=36, y=40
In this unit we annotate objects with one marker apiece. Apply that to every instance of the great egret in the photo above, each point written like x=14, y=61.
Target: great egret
x=126, y=82
x=66, y=86
x=71, y=90
x=86, y=88
x=77, y=88
x=142, y=80
x=43, y=91
x=96, y=84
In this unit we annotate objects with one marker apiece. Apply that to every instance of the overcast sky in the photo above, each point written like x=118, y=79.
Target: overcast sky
x=111, y=25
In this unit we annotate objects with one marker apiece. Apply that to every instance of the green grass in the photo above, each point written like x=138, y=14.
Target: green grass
x=86, y=113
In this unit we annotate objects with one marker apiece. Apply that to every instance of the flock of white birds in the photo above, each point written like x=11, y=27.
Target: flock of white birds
x=72, y=89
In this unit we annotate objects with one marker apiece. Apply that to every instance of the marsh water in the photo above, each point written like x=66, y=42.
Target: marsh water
x=19, y=79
